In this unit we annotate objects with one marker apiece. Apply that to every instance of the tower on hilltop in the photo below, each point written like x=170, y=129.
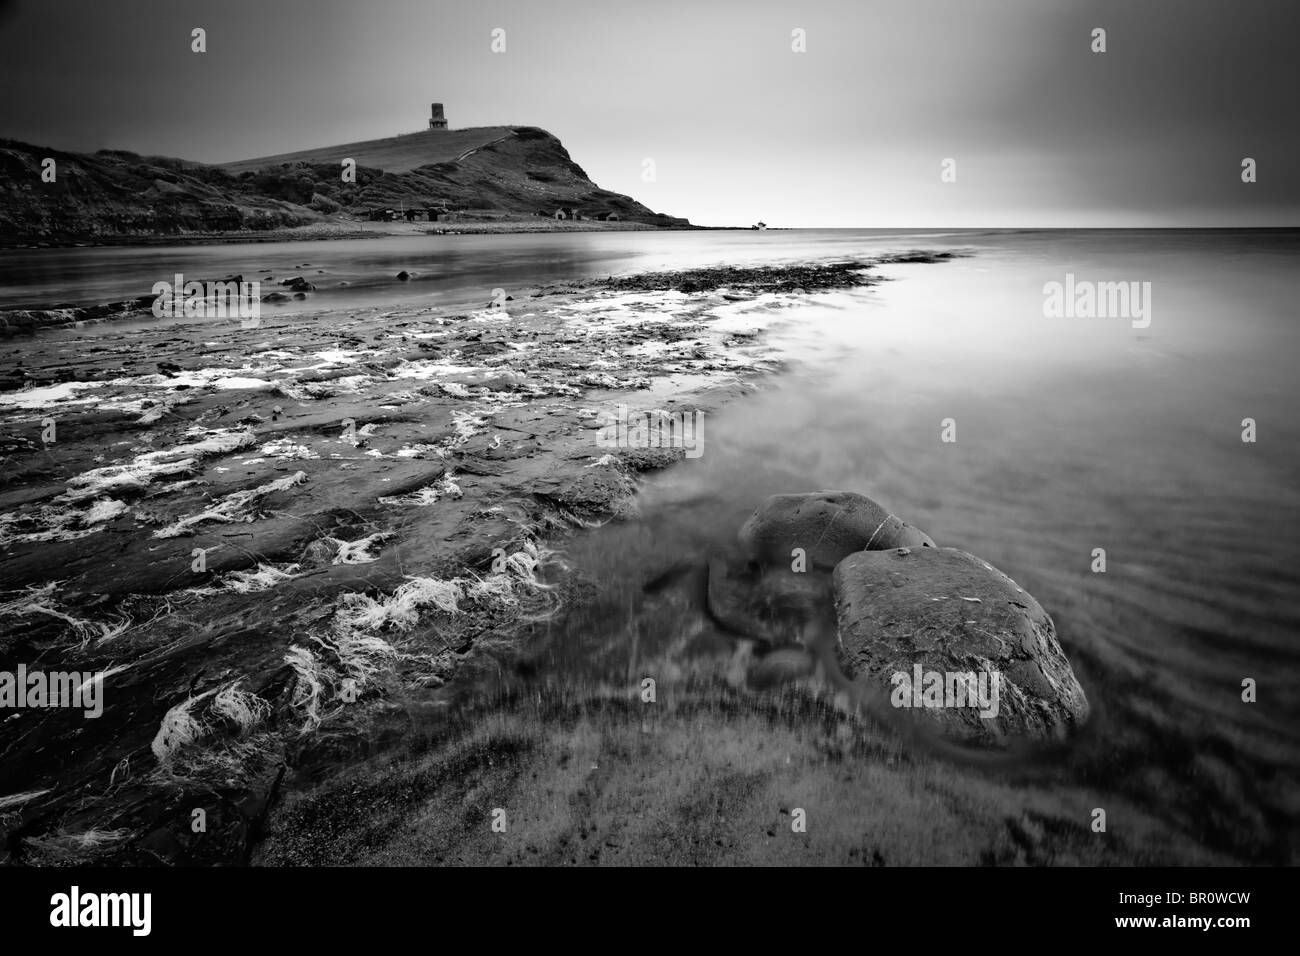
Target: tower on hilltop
x=436, y=118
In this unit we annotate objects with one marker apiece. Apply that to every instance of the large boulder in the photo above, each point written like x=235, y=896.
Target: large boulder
x=827, y=525
x=914, y=621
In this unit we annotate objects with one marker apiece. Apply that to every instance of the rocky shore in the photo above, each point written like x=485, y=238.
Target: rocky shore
x=257, y=536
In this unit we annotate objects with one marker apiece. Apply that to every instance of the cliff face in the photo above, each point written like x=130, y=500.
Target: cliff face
x=524, y=172
x=519, y=171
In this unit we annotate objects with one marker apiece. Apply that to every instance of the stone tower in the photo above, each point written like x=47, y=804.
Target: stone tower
x=436, y=119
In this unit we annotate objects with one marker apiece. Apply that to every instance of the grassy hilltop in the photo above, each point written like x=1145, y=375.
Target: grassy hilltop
x=393, y=154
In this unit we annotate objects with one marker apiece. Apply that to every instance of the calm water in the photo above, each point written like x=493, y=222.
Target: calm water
x=1072, y=434
x=446, y=268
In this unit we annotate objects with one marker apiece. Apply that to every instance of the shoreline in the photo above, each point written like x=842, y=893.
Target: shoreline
x=363, y=230
x=31, y=319
x=318, y=231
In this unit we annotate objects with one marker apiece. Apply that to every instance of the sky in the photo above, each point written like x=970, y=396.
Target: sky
x=851, y=132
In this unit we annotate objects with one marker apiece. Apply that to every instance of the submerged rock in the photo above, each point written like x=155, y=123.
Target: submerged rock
x=914, y=621
x=827, y=525
x=773, y=607
x=817, y=276
x=782, y=666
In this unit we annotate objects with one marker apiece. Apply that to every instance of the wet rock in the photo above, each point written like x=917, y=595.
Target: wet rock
x=479, y=348
x=403, y=275
x=827, y=525
x=912, y=620
x=816, y=277
x=774, y=606
x=501, y=380
x=298, y=284
x=275, y=297
x=318, y=554
x=914, y=257
x=649, y=459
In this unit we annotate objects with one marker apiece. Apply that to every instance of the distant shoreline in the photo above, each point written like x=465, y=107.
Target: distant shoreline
x=317, y=231
x=321, y=231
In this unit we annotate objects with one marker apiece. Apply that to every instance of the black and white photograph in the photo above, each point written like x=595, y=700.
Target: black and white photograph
x=659, y=434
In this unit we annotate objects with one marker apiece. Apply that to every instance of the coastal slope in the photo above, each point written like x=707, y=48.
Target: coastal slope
x=493, y=173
